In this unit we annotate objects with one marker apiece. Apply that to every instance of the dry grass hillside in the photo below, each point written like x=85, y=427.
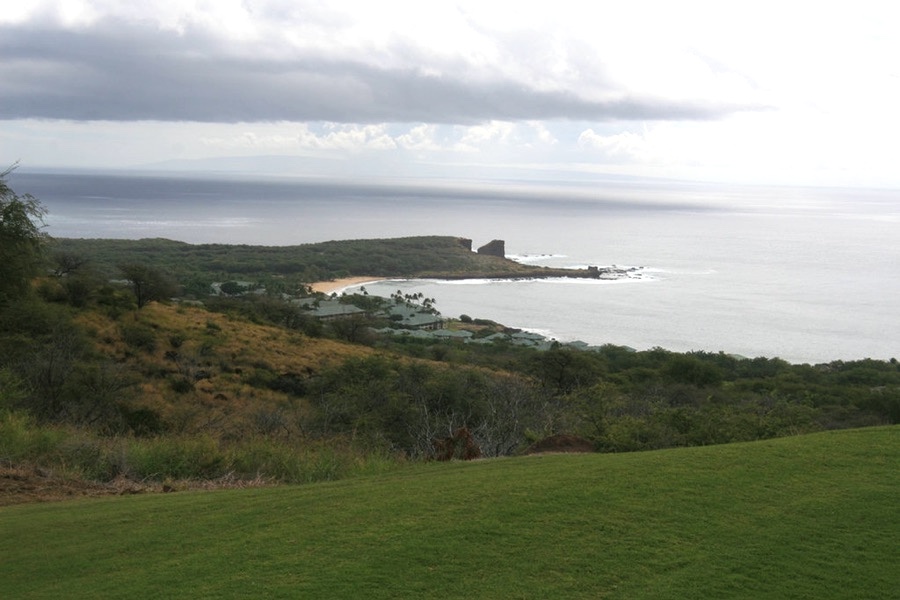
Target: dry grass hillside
x=208, y=372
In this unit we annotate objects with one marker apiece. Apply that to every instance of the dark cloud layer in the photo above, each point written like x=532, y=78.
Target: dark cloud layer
x=124, y=73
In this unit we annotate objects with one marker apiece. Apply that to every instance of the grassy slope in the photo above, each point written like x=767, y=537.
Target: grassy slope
x=805, y=517
x=226, y=349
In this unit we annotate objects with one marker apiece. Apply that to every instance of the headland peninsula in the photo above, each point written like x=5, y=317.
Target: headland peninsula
x=196, y=266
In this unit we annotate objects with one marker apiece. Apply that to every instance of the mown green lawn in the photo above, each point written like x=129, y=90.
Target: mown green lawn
x=806, y=517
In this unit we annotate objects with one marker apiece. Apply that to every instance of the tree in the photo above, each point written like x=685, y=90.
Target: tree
x=355, y=329
x=148, y=283
x=232, y=288
x=67, y=263
x=562, y=370
x=21, y=239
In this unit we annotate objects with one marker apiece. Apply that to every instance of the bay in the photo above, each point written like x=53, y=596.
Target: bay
x=805, y=274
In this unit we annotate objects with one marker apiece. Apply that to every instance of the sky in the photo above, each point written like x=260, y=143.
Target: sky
x=784, y=92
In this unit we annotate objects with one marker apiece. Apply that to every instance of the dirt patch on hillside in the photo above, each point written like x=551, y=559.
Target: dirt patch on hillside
x=19, y=485
x=22, y=485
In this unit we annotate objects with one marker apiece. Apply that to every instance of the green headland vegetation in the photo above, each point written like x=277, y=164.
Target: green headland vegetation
x=288, y=268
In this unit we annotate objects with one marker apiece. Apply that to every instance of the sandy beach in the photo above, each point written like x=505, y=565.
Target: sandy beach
x=336, y=285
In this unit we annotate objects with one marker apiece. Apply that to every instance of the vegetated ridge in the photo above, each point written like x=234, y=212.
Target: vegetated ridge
x=170, y=396
x=424, y=256
x=120, y=362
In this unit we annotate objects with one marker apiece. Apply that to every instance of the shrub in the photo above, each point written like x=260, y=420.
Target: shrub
x=12, y=389
x=51, y=290
x=21, y=439
x=176, y=340
x=485, y=322
x=232, y=288
x=143, y=421
x=115, y=301
x=181, y=384
x=683, y=368
x=92, y=458
x=175, y=458
x=139, y=336
x=79, y=290
x=282, y=462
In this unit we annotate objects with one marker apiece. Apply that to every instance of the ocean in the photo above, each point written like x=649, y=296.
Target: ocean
x=804, y=274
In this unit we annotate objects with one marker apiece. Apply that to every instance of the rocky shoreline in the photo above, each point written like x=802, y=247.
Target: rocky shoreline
x=538, y=273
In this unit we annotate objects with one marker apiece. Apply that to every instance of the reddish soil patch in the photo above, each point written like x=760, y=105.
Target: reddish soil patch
x=24, y=484
x=460, y=446
x=561, y=443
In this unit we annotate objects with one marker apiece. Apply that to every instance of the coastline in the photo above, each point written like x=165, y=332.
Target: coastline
x=604, y=273
x=337, y=285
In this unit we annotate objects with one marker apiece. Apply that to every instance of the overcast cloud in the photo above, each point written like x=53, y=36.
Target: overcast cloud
x=121, y=71
x=774, y=92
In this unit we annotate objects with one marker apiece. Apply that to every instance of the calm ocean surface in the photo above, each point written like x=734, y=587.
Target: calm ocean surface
x=808, y=275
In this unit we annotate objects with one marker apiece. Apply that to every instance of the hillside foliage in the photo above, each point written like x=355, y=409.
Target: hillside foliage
x=81, y=385
x=21, y=239
x=93, y=366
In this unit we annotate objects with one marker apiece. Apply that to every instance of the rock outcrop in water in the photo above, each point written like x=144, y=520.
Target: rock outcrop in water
x=494, y=248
